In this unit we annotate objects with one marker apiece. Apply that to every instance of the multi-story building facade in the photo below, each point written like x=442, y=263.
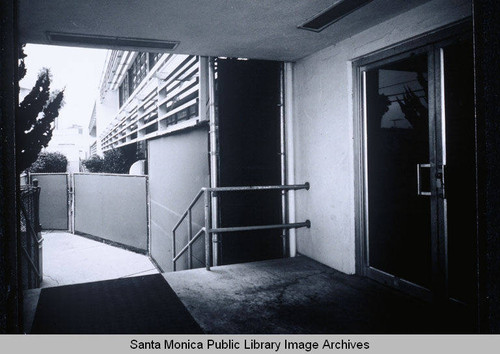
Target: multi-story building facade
x=95, y=144
x=145, y=95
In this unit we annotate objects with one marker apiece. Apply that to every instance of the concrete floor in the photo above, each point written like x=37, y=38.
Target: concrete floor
x=293, y=295
x=299, y=295
x=71, y=259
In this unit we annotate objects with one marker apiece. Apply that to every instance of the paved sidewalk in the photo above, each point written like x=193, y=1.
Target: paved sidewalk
x=71, y=259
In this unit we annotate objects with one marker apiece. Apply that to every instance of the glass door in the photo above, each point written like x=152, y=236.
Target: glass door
x=398, y=168
x=419, y=170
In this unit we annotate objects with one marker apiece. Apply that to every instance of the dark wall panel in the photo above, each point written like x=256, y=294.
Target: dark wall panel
x=248, y=94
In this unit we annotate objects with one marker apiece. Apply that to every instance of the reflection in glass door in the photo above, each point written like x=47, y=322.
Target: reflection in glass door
x=398, y=166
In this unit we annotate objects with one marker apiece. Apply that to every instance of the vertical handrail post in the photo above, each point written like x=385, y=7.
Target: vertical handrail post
x=190, y=235
x=208, y=257
x=173, y=250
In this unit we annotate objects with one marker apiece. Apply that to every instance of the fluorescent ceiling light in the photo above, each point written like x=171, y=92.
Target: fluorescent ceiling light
x=333, y=14
x=111, y=42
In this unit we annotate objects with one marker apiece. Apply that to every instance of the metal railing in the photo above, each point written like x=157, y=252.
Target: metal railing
x=207, y=229
x=31, y=240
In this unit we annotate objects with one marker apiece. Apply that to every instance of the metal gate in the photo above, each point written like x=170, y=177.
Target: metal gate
x=54, y=200
x=30, y=237
x=113, y=208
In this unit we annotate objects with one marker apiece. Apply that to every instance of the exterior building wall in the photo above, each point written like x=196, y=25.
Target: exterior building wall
x=178, y=169
x=72, y=143
x=323, y=126
x=106, y=109
x=93, y=132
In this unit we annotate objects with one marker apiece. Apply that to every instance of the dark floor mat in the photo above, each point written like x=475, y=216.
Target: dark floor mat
x=137, y=305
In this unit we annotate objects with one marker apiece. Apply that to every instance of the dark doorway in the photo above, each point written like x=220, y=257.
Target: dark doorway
x=420, y=170
x=248, y=100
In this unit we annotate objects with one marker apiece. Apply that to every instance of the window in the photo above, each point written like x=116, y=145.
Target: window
x=153, y=59
x=123, y=91
x=137, y=71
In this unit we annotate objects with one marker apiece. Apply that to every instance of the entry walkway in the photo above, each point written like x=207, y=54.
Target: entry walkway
x=293, y=295
x=299, y=295
x=72, y=259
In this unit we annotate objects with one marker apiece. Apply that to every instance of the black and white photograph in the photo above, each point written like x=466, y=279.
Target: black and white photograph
x=250, y=175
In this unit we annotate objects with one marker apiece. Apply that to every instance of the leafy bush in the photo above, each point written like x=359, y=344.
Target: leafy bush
x=94, y=164
x=49, y=162
x=113, y=162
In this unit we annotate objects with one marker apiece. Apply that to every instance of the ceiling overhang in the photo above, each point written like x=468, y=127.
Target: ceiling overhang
x=262, y=29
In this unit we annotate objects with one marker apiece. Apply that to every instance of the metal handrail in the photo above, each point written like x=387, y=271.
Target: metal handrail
x=307, y=223
x=207, y=230
x=202, y=230
x=200, y=193
x=288, y=187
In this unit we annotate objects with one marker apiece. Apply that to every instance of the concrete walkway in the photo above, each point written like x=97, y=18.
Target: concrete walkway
x=301, y=296
x=71, y=259
x=293, y=295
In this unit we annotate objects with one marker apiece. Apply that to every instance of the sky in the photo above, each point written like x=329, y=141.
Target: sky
x=78, y=70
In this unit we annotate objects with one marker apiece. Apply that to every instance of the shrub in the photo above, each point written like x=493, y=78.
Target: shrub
x=49, y=162
x=94, y=164
x=114, y=161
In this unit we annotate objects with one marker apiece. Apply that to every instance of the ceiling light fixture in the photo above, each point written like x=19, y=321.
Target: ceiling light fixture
x=109, y=42
x=333, y=14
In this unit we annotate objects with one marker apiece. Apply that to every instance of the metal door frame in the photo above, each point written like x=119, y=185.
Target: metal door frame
x=431, y=43
x=372, y=272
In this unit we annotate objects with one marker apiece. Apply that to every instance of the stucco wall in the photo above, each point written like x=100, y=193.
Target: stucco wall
x=178, y=169
x=323, y=126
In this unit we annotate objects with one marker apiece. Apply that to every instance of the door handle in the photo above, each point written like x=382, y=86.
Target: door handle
x=419, y=184
x=440, y=181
